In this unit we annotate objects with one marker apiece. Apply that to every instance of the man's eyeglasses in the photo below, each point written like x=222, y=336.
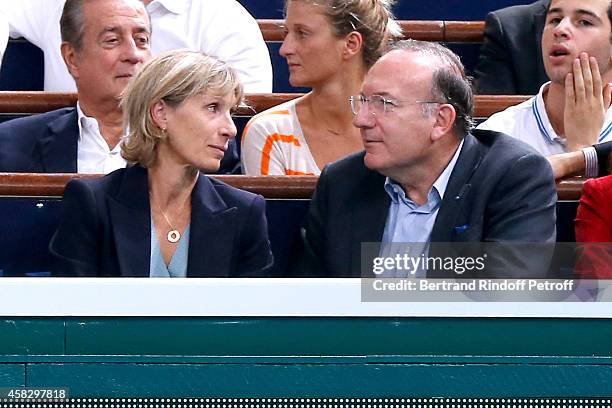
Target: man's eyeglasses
x=378, y=104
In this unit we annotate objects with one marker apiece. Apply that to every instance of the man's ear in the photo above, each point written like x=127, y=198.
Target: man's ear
x=353, y=43
x=158, y=113
x=443, y=121
x=71, y=59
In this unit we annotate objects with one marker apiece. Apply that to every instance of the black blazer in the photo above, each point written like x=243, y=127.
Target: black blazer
x=45, y=143
x=105, y=229
x=510, y=59
x=500, y=190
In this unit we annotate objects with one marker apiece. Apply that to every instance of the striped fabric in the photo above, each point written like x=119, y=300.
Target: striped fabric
x=273, y=144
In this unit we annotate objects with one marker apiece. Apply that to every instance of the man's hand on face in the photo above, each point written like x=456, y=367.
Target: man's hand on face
x=586, y=103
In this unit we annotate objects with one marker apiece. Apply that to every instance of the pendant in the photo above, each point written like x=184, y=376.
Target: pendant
x=173, y=236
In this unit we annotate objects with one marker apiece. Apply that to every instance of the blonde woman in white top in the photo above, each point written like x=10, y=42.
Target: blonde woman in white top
x=329, y=46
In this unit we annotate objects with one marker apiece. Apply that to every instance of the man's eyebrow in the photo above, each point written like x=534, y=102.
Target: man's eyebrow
x=384, y=95
x=588, y=13
x=143, y=29
x=117, y=29
x=109, y=29
x=558, y=10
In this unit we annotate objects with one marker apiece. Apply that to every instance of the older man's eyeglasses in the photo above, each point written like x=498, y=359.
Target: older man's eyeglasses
x=378, y=104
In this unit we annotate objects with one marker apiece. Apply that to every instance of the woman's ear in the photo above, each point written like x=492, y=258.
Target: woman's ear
x=158, y=113
x=353, y=43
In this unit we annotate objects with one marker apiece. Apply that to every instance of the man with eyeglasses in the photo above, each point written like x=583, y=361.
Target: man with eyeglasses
x=423, y=177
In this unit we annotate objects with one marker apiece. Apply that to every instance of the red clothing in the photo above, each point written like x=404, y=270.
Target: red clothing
x=594, y=224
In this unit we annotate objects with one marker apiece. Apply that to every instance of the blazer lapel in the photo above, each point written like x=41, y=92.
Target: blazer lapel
x=213, y=231
x=457, y=190
x=369, y=216
x=59, y=147
x=130, y=214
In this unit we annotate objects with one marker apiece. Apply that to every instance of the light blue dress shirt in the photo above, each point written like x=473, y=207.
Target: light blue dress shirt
x=408, y=222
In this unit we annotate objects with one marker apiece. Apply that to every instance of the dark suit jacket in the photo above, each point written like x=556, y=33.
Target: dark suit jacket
x=500, y=190
x=604, y=158
x=510, y=59
x=105, y=229
x=47, y=143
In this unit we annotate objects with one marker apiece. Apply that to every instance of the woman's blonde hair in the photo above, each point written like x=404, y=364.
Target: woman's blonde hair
x=173, y=77
x=373, y=19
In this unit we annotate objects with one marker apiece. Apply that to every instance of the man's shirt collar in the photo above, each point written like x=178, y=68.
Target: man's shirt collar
x=435, y=195
x=86, y=123
x=539, y=112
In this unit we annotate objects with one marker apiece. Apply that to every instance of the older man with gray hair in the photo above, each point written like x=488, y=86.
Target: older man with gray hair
x=424, y=176
x=105, y=42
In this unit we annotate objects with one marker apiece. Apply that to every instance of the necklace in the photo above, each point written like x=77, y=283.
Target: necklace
x=324, y=125
x=173, y=235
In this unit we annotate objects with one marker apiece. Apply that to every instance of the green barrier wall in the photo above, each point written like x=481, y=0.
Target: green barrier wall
x=309, y=357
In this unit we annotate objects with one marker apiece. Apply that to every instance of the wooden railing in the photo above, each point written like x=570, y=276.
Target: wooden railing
x=426, y=30
x=18, y=102
x=52, y=185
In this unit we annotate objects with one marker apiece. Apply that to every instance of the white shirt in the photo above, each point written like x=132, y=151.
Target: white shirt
x=528, y=122
x=4, y=32
x=93, y=153
x=220, y=28
x=223, y=29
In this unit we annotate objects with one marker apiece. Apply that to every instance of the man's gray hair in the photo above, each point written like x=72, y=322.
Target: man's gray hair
x=450, y=84
x=71, y=23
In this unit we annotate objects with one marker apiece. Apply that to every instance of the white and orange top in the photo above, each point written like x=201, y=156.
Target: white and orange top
x=273, y=144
